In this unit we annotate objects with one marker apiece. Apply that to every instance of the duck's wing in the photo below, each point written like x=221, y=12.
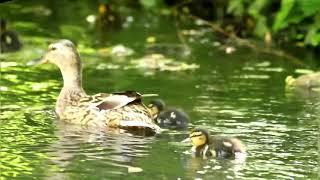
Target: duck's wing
x=105, y=101
x=125, y=110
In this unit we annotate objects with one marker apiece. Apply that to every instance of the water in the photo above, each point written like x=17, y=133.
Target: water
x=241, y=94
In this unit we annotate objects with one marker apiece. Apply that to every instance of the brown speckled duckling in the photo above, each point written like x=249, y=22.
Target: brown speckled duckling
x=9, y=41
x=119, y=110
x=170, y=118
x=204, y=145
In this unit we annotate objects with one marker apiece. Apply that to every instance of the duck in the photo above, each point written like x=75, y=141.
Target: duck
x=308, y=81
x=170, y=118
x=9, y=41
x=123, y=110
x=204, y=145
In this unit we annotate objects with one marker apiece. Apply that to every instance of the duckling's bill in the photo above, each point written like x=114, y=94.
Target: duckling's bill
x=187, y=140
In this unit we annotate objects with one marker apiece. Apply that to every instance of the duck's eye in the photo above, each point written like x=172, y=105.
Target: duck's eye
x=52, y=48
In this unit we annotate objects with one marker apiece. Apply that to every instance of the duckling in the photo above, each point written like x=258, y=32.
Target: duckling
x=223, y=147
x=9, y=40
x=107, y=18
x=170, y=118
x=307, y=81
x=119, y=110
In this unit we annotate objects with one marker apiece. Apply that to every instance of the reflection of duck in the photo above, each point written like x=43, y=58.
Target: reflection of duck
x=223, y=147
x=114, y=150
x=9, y=39
x=170, y=118
x=307, y=81
x=123, y=110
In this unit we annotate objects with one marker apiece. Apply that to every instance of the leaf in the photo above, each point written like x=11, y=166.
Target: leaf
x=235, y=7
x=254, y=10
x=313, y=35
x=309, y=7
x=280, y=21
x=148, y=4
x=256, y=7
x=261, y=27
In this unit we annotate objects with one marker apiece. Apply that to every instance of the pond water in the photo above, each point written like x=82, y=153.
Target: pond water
x=240, y=94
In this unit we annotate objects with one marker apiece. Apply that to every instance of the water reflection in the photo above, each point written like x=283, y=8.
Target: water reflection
x=113, y=151
x=214, y=168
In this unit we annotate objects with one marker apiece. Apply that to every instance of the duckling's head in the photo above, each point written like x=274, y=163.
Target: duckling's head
x=199, y=137
x=290, y=80
x=62, y=53
x=103, y=8
x=156, y=106
x=3, y=25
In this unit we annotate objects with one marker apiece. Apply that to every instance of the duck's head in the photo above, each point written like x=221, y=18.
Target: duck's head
x=198, y=138
x=62, y=53
x=156, y=106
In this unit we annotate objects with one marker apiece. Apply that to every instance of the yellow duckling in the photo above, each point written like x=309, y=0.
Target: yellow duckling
x=107, y=18
x=119, y=110
x=170, y=118
x=222, y=147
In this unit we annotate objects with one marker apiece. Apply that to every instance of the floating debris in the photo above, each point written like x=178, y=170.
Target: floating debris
x=116, y=51
x=103, y=66
x=202, y=172
x=230, y=49
x=132, y=169
x=121, y=50
x=162, y=63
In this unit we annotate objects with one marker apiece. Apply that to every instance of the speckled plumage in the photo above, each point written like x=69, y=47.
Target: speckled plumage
x=119, y=110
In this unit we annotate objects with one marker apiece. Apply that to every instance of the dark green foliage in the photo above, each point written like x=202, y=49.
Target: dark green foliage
x=299, y=19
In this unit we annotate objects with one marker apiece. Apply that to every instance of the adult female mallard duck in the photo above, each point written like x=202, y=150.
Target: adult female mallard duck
x=223, y=147
x=307, y=81
x=119, y=110
x=171, y=118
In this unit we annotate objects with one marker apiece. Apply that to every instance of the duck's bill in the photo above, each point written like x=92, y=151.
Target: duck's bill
x=37, y=61
x=187, y=140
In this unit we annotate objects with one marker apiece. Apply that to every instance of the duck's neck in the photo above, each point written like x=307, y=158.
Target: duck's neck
x=72, y=77
x=72, y=89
